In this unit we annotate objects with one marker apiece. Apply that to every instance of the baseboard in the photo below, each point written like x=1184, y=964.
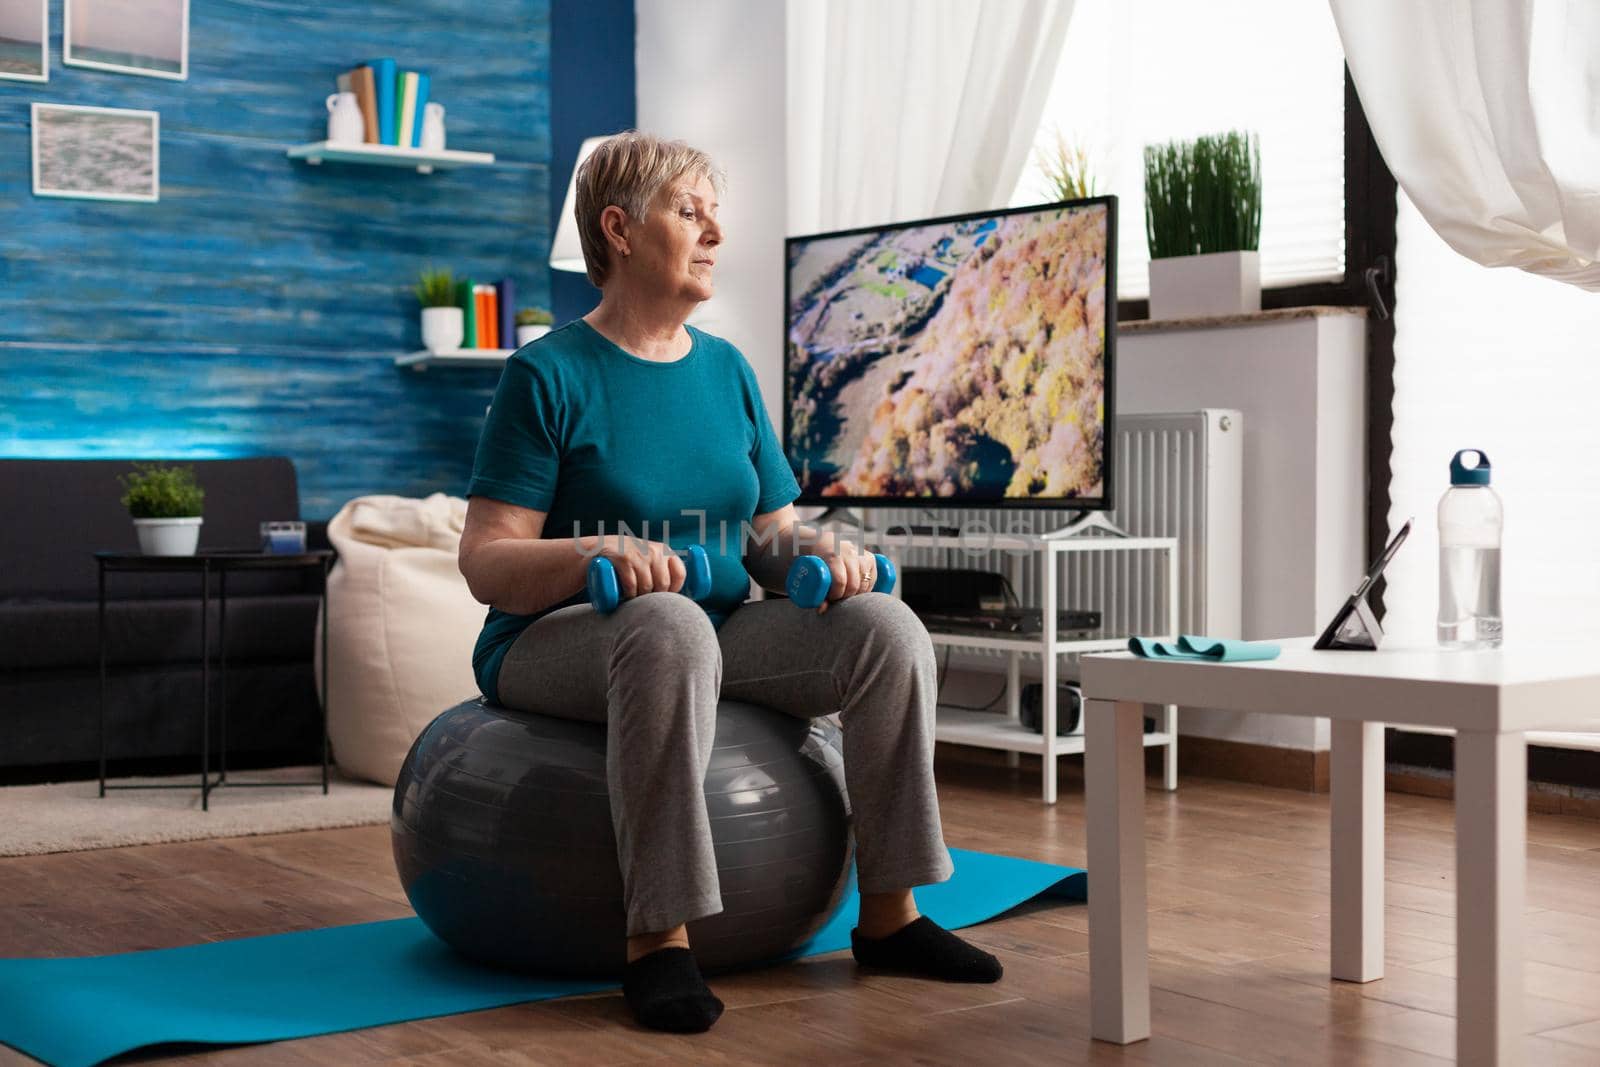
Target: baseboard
x=1242, y=761
x=1561, y=781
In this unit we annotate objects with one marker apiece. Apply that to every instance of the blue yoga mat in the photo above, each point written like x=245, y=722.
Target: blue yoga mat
x=82, y=1010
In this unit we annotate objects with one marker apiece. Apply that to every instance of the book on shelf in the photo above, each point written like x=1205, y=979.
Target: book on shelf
x=422, y=103
x=383, y=76
x=362, y=84
x=506, y=294
x=406, y=107
x=487, y=315
x=467, y=296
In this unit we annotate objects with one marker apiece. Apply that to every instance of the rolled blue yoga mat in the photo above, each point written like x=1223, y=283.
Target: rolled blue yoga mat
x=81, y=1010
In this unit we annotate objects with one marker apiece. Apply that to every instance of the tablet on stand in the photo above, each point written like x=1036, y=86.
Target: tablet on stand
x=1355, y=627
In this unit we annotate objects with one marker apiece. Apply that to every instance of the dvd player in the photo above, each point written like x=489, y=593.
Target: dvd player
x=1008, y=620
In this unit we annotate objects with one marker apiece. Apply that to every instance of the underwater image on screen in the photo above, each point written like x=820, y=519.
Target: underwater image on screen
x=957, y=359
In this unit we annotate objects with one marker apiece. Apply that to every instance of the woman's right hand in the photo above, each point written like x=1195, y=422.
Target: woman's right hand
x=643, y=566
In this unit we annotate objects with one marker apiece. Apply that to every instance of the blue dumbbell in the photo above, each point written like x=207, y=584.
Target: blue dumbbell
x=810, y=579
x=605, y=594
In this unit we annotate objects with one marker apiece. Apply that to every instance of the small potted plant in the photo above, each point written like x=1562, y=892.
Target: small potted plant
x=442, y=323
x=1202, y=205
x=165, y=503
x=1066, y=169
x=532, y=324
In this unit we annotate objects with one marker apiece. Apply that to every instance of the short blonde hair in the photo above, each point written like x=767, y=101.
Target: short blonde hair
x=629, y=170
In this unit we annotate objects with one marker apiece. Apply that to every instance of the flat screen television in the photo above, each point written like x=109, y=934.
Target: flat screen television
x=961, y=361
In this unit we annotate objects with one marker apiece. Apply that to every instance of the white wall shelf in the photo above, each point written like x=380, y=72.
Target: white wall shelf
x=384, y=155
x=457, y=357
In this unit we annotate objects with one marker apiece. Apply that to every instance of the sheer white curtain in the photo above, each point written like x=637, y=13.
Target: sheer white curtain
x=901, y=109
x=1488, y=113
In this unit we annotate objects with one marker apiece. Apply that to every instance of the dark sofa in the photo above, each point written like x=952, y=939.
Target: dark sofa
x=59, y=512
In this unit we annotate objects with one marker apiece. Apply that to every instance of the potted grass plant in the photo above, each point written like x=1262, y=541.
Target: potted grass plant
x=165, y=504
x=532, y=324
x=443, y=326
x=1202, y=205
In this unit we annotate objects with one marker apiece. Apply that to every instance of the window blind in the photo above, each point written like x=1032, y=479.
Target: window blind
x=1138, y=72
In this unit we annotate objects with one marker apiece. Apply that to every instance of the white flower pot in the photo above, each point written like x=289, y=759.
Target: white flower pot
x=525, y=334
x=168, y=537
x=442, y=329
x=1218, y=283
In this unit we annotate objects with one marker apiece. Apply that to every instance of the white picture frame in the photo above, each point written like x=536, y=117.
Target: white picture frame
x=96, y=153
x=153, y=36
x=24, y=27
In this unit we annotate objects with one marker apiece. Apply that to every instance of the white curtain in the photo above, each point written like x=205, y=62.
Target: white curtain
x=1487, y=112
x=901, y=110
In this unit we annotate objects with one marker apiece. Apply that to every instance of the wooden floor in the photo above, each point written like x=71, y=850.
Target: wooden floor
x=1239, y=934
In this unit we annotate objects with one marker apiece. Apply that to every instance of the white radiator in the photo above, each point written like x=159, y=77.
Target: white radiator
x=1174, y=475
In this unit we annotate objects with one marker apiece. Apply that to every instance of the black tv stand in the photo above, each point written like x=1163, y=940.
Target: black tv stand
x=843, y=516
x=846, y=517
x=904, y=529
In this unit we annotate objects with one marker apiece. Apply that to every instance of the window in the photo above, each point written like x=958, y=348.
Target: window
x=1502, y=360
x=1137, y=72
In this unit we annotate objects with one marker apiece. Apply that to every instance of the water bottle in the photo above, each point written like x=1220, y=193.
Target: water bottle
x=1470, y=521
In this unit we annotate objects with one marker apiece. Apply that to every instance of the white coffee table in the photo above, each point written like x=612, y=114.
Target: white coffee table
x=1489, y=698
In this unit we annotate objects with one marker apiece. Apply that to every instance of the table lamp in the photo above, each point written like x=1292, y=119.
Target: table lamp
x=566, y=251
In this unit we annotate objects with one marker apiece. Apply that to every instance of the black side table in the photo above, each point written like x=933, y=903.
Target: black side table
x=205, y=564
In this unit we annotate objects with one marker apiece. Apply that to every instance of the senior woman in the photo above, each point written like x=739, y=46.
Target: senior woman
x=629, y=416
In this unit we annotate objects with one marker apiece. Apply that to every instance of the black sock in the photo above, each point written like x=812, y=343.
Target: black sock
x=666, y=992
x=923, y=947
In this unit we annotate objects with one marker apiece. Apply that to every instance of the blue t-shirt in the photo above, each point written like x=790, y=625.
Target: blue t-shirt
x=591, y=434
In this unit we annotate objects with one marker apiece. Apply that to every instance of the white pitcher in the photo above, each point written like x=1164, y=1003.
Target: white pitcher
x=345, y=124
x=433, y=127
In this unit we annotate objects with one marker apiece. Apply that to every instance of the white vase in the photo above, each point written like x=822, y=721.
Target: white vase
x=433, y=127
x=442, y=329
x=168, y=537
x=1218, y=283
x=345, y=124
x=526, y=334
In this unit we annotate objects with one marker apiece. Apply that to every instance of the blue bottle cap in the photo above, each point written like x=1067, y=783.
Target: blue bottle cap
x=1463, y=475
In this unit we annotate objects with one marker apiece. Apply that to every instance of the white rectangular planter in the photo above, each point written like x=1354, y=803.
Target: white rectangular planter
x=1218, y=283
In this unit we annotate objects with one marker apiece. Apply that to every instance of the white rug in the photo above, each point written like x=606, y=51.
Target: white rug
x=70, y=816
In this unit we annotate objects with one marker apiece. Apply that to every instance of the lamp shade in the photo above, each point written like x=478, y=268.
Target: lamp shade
x=566, y=251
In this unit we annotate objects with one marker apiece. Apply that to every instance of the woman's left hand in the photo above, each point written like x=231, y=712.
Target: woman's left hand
x=853, y=572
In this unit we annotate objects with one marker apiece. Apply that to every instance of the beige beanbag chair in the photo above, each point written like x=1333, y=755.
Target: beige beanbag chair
x=402, y=627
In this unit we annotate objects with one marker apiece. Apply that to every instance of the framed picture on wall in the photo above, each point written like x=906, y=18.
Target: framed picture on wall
x=25, y=40
x=96, y=153
x=148, y=37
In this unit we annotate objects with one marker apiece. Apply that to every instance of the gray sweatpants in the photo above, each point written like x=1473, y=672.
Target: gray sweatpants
x=652, y=672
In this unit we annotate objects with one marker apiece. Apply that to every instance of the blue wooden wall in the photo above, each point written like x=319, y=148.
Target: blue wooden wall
x=258, y=307
x=592, y=92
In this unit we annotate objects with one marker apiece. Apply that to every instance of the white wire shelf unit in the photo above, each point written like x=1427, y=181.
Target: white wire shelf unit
x=1006, y=732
